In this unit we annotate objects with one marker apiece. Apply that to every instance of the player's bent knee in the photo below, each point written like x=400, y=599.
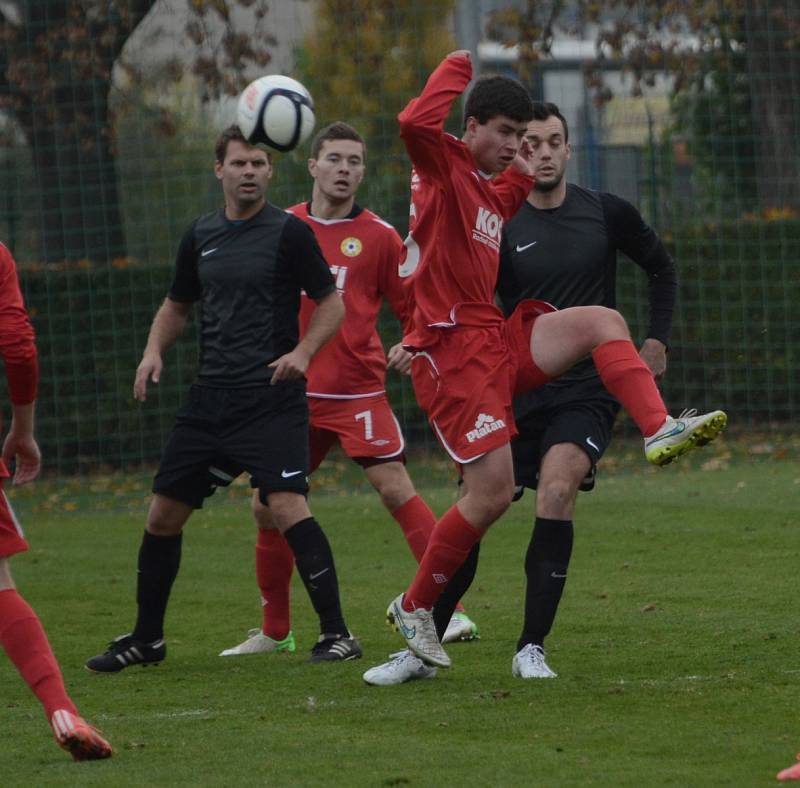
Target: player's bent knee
x=556, y=498
x=167, y=516
x=612, y=322
x=287, y=509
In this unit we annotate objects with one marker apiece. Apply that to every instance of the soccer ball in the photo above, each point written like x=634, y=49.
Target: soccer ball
x=277, y=111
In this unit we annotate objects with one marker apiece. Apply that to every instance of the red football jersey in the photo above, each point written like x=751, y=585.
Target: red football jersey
x=363, y=252
x=457, y=212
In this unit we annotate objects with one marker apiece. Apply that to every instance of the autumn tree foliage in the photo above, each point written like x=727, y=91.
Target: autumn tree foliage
x=735, y=66
x=364, y=60
x=57, y=73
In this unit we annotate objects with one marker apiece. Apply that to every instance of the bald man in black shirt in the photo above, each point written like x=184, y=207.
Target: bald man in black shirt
x=245, y=265
x=561, y=247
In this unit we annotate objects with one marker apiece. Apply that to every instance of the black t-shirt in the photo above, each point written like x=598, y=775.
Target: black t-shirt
x=568, y=257
x=248, y=278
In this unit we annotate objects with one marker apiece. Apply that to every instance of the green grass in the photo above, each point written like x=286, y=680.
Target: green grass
x=676, y=643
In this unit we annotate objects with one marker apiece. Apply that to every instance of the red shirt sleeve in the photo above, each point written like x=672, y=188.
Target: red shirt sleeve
x=422, y=121
x=512, y=187
x=17, y=342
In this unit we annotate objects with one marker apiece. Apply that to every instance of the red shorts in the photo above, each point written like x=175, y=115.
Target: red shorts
x=12, y=540
x=366, y=428
x=466, y=378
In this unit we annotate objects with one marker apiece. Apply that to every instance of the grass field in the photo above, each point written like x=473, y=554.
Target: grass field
x=676, y=643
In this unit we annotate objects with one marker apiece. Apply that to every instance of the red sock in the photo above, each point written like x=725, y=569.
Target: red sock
x=274, y=566
x=417, y=521
x=449, y=545
x=630, y=380
x=25, y=642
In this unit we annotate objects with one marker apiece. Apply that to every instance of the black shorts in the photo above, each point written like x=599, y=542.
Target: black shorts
x=582, y=413
x=221, y=433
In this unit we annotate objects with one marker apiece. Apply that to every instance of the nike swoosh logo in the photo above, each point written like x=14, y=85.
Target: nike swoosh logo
x=592, y=444
x=208, y=251
x=288, y=474
x=408, y=632
x=527, y=246
x=676, y=430
x=557, y=576
x=318, y=574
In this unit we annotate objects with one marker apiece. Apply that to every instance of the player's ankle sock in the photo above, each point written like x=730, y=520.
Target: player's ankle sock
x=417, y=521
x=448, y=602
x=449, y=545
x=274, y=567
x=24, y=640
x=546, y=565
x=630, y=380
x=314, y=559
x=159, y=561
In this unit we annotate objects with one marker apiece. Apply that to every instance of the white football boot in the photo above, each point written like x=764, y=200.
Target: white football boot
x=419, y=632
x=687, y=432
x=528, y=663
x=402, y=666
x=259, y=643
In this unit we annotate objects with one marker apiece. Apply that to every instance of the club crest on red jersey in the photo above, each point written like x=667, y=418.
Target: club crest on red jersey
x=351, y=246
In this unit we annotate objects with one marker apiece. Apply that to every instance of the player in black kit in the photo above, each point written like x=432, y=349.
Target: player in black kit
x=561, y=247
x=246, y=264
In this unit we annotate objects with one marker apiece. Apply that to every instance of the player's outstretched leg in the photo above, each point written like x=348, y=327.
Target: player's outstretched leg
x=678, y=436
x=78, y=738
x=791, y=773
x=402, y=666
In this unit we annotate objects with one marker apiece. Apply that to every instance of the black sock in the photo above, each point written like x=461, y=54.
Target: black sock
x=314, y=561
x=159, y=560
x=455, y=589
x=546, y=565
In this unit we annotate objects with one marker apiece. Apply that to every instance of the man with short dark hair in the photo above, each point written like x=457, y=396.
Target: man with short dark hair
x=346, y=385
x=561, y=246
x=246, y=264
x=469, y=361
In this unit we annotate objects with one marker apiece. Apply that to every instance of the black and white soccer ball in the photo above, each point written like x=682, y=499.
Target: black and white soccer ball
x=277, y=111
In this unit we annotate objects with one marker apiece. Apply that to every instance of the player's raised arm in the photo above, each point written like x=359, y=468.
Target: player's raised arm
x=422, y=121
x=167, y=326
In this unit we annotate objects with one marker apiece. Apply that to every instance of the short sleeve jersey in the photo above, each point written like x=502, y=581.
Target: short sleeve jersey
x=363, y=253
x=568, y=256
x=457, y=212
x=248, y=278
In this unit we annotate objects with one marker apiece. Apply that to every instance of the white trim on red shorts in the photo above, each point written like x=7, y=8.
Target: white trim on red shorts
x=318, y=395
